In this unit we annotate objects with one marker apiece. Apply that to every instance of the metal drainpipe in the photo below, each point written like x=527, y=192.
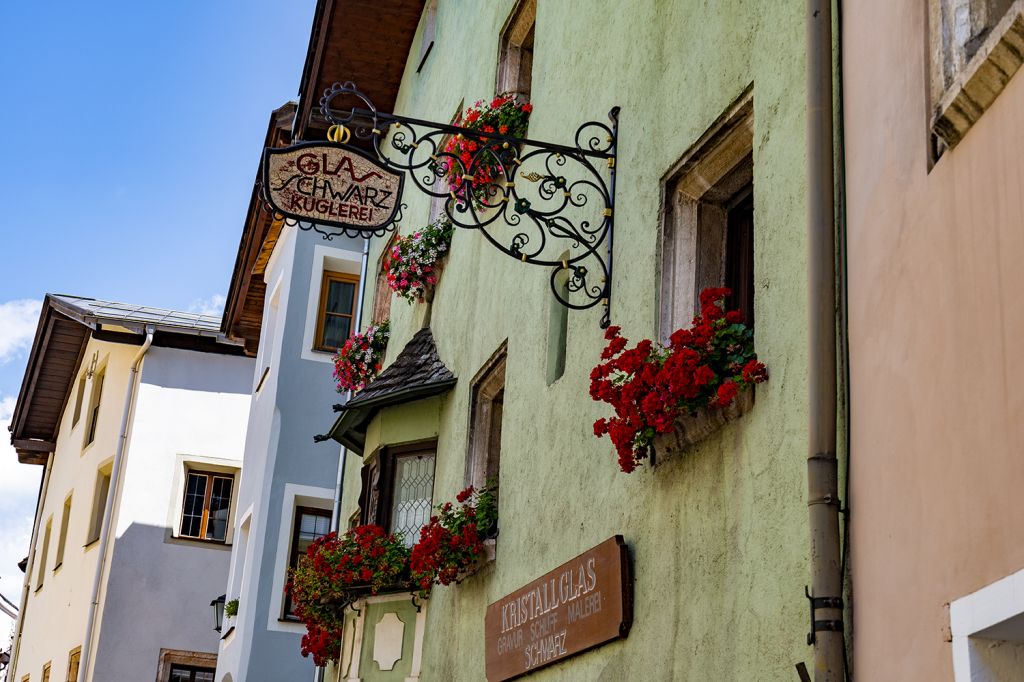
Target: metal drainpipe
x=44, y=486
x=822, y=465
x=340, y=484
x=115, y=478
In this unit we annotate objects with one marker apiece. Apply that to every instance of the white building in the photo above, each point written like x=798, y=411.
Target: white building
x=138, y=416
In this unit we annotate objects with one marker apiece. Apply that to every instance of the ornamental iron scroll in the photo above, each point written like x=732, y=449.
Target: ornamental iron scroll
x=541, y=203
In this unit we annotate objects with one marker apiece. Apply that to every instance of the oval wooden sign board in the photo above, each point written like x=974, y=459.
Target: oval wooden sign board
x=583, y=603
x=331, y=184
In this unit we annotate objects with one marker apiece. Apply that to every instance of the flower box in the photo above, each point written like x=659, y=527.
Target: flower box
x=690, y=429
x=669, y=397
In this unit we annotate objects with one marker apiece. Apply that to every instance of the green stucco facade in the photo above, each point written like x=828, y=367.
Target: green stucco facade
x=719, y=534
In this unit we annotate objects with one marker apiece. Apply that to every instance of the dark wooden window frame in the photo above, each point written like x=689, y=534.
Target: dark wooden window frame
x=293, y=553
x=321, y=320
x=211, y=476
x=378, y=480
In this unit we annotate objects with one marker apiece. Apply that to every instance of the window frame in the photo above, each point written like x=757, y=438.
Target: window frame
x=204, y=521
x=95, y=402
x=169, y=658
x=518, y=29
x=713, y=178
x=75, y=658
x=43, y=553
x=483, y=459
x=328, y=277
x=99, y=507
x=62, y=537
x=378, y=481
x=293, y=553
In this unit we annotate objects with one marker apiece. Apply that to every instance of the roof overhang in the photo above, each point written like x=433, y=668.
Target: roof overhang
x=363, y=41
x=349, y=428
x=243, y=309
x=65, y=325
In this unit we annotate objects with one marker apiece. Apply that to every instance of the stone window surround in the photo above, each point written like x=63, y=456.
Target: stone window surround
x=170, y=657
x=515, y=59
x=982, y=78
x=202, y=464
x=697, y=192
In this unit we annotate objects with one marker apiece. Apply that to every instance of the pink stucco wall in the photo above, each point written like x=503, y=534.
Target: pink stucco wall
x=936, y=273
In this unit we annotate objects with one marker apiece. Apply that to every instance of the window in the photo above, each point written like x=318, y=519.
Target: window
x=78, y=400
x=337, y=310
x=310, y=523
x=65, y=519
x=42, y=553
x=94, y=405
x=708, y=235
x=185, y=666
x=191, y=673
x=73, y=660
x=398, y=488
x=487, y=406
x=207, y=506
x=382, y=291
x=99, y=505
x=974, y=51
x=515, y=62
x=46, y=673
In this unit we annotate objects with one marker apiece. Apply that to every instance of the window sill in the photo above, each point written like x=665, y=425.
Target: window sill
x=90, y=543
x=219, y=544
x=982, y=80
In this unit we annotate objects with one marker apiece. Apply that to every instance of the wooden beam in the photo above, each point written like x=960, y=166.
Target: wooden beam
x=33, y=445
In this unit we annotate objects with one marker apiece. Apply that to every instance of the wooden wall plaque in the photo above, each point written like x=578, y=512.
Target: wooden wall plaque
x=331, y=184
x=585, y=602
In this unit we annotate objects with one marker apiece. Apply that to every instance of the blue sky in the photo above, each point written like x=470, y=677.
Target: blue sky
x=133, y=134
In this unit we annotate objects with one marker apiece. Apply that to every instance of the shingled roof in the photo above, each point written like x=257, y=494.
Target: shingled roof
x=416, y=373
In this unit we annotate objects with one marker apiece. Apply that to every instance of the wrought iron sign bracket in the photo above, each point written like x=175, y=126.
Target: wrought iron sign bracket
x=538, y=202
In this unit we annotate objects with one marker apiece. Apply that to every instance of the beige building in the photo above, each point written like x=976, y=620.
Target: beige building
x=934, y=146
x=138, y=415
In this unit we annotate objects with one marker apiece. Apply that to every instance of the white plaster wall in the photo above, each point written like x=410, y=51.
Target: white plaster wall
x=53, y=622
x=158, y=589
x=191, y=408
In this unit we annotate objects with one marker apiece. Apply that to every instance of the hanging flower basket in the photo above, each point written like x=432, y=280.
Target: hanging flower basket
x=482, y=159
x=414, y=263
x=673, y=396
x=457, y=541
x=335, y=572
x=359, y=360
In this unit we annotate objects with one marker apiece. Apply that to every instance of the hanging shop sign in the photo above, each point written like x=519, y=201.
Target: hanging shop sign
x=331, y=184
x=583, y=603
x=541, y=203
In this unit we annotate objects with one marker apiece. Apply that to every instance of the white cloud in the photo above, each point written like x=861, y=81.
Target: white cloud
x=214, y=305
x=18, y=320
x=19, y=487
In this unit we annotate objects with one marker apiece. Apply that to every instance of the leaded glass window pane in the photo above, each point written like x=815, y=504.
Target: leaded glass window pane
x=413, y=495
